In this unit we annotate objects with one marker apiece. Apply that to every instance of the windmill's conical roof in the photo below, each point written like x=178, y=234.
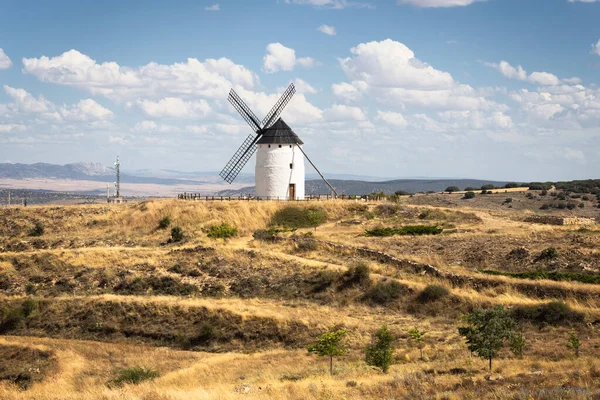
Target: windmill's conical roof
x=279, y=133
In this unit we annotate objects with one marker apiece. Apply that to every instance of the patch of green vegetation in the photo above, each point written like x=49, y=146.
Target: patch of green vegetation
x=269, y=235
x=164, y=222
x=553, y=313
x=176, y=234
x=433, y=293
x=357, y=275
x=469, y=195
x=223, y=231
x=412, y=230
x=37, y=230
x=385, y=292
x=298, y=217
x=552, y=276
x=133, y=375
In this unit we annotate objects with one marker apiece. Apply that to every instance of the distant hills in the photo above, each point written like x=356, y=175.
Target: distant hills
x=356, y=187
x=204, y=181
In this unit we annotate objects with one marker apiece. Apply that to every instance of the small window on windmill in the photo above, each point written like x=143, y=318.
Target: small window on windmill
x=291, y=166
x=290, y=146
x=279, y=146
x=269, y=146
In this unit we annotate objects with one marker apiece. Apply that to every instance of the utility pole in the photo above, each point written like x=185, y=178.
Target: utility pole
x=9, y=198
x=118, y=182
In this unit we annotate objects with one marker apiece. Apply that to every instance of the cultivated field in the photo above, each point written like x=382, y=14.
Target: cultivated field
x=94, y=291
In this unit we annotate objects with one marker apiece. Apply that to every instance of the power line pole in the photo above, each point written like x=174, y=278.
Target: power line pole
x=118, y=182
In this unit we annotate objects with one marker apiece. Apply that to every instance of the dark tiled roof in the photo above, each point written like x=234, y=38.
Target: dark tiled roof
x=279, y=133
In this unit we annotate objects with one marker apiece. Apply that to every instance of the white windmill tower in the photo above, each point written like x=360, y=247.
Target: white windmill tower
x=279, y=171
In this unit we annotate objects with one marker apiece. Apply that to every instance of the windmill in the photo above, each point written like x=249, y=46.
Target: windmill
x=279, y=171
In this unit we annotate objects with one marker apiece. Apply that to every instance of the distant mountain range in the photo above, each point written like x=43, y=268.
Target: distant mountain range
x=344, y=183
x=356, y=187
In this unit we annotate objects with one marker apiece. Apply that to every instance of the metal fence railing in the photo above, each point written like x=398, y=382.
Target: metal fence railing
x=201, y=197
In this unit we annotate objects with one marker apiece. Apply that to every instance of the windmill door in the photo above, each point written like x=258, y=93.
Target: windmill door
x=292, y=191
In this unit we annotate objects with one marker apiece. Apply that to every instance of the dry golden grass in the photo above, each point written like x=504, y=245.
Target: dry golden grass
x=123, y=238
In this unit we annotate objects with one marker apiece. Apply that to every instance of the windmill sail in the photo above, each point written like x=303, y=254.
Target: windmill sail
x=248, y=147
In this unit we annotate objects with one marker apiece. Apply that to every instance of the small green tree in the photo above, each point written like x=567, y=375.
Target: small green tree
x=380, y=353
x=574, y=343
x=330, y=344
x=487, y=331
x=469, y=195
x=417, y=336
x=451, y=189
x=315, y=217
x=517, y=344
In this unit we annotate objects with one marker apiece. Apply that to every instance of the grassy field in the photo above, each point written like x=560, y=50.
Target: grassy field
x=105, y=302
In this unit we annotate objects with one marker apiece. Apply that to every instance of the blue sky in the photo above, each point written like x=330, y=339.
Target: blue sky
x=497, y=89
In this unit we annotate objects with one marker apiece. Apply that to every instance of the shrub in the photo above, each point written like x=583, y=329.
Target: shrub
x=517, y=344
x=470, y=189
x=469, y=195
x=451, y=189
x=585, y=197
x=298, y=217
x=561, y=196
x=413, y=230
x=164, y=222
x=545, y=206
x=489, y=186
x=574, y=343
x=267, y=235
x=510, y=185
x=357, y=275
x=133, y=375
x=508, y=200
x=433, y=293
x=223, y=231
x=37, y=230
x=552, y=313
x=581, y=205
x=380, y=353
x=401, y=193
x=543, y=193
x=548, y=254
x=176, y=234
x=307, y=244
x=385, y=292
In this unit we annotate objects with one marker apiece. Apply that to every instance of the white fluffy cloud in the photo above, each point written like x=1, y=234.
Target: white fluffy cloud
x=301, y=87
x=341, y=112
x=10, y=128
x=346, y=92
x=438, y=3
x=214, y=7
x=518, y=73
x=211, y=78
x=394, y=119
x=174, y=107
x=391, y=64
x=5, y=62
x=282, y=58
x=328, y=30
x=596, y=48
x=83, y=111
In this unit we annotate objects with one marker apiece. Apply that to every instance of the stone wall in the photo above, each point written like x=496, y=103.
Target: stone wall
x=555, y=220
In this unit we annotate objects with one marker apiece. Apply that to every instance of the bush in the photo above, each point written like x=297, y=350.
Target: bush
x=413, y=230
x=489, y=186
x=553, y=313
x=510, y=185
x=223, y=231
x=357, y=275
x=508, y=200
x=470, y=189
x=176, y=234
x=385, y=292
x=134, y=376
x=37, y=230
x=298, y=217
x=307, y=244
x=548, y=254
x=581, y=205
x=543, y=193
x=267, y=235
x=545, y=206
x=433, y=293
x=164, y=222
x=451, y=189
x=469, y=195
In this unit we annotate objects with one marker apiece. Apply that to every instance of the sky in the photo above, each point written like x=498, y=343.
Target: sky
x=496, y=89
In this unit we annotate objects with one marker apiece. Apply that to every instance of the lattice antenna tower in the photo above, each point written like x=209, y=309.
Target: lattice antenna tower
x=118, y=181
